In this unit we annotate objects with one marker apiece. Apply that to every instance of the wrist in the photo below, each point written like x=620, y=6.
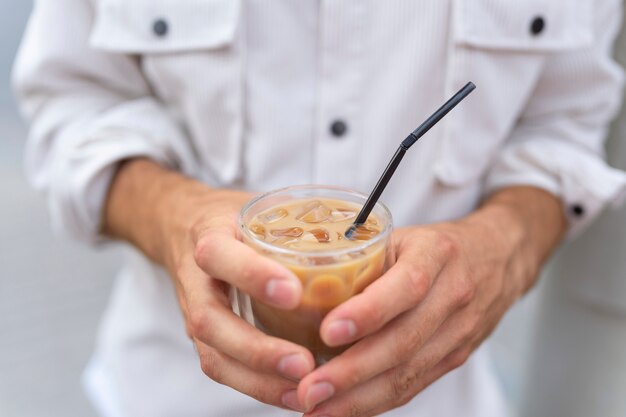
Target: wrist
x=527, y=223
x=159, y=211
x=141, y=206
x=504, y=239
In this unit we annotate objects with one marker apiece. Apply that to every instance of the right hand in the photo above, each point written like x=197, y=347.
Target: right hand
x=205, y=256
x=192, y=230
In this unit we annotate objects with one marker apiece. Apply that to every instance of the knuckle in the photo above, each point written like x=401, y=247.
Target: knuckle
x=407, y=341
x=210, y=365
x=199, y=326
x=418, y=284
x=197, y=229
x=205, y=247
x=466, y=291
x=470, y=326
x=457, y=359
x=446, y=245
x=400, y=384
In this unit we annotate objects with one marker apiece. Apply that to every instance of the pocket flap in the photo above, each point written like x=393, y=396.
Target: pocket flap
x=530, y=25
x=148, y=26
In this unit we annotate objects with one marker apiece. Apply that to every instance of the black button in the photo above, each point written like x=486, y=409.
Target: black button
x=538, y=25
x=159, y=27
x=338, y=128
x=578, y=210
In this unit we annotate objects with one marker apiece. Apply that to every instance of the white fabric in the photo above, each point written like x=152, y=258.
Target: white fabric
x=241, y=93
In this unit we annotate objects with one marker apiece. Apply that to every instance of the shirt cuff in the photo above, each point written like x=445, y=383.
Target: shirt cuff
x=87, y=156
x=580, y=178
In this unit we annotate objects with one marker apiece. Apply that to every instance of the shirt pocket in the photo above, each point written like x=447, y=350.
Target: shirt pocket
x=149, y=26
x=190, y=52
x=502, y=46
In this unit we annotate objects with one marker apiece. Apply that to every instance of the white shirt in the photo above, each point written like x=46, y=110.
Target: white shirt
x=244, y=94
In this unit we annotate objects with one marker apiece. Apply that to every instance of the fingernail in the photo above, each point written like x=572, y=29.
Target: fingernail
x=282, y=292
x=318, y=393
x=294, y=366
x=340, y=332
x=290, y=399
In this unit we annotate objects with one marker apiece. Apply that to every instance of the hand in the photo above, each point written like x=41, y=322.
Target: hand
x=192, y=230
x=451, y=284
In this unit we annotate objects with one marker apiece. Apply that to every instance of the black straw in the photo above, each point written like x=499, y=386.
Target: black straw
x=404, y=146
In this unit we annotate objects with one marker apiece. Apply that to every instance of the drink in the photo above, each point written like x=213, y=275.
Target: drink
x=303, y=229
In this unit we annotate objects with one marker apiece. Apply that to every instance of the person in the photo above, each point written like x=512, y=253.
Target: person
x=154, y=122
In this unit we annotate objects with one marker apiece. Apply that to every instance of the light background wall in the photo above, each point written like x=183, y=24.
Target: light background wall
x=559, y=354
x=52, y=292
x=577, y=365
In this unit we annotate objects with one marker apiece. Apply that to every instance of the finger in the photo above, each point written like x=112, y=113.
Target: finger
x=404, y=286
x=376, y=354
x=400, y=397
x=213, y=323
x=266, y=388
x=222, y=256
x=448, y=349
x=392, y=388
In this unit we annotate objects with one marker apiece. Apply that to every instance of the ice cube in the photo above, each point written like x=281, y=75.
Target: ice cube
x=371, y=221
x=288, y=232
x=326, y=291
x=364, y=232
x=258, y=230
x=286, y=241
x=341, y=214
x=273, y=215
x=314, y=212
x=317, y=235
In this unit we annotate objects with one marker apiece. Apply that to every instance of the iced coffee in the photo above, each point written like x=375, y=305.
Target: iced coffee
x=304, y=229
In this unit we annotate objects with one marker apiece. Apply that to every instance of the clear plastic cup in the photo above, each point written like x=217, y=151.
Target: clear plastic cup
x=329, y=277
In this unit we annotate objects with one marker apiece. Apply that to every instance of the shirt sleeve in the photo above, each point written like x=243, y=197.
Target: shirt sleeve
x=558, y=142
x=88, y=110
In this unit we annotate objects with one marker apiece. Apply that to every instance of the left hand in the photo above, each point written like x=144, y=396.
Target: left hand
x=450, y=286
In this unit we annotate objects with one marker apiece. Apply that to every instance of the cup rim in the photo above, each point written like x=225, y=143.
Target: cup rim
x=326, y=253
